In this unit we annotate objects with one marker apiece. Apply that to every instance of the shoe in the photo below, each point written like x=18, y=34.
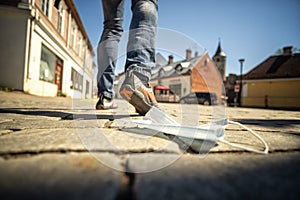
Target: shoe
x=105, y=104
x=138, y=94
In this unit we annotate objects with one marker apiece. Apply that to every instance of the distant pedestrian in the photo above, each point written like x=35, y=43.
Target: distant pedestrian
x=266, y=100
x=140, y=54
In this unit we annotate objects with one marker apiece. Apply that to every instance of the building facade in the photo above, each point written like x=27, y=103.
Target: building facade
x=175, y=80
x=232, y=89
x=274, y=83
x=44, y=49
x=194, y=74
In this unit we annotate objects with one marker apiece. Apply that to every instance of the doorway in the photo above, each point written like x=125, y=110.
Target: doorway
x=59, y=75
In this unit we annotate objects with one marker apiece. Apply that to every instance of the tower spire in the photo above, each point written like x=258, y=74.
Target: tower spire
x=219, y=51
x=220, y=60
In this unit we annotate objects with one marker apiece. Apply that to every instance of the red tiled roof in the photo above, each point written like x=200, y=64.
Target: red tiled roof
x=282, y=66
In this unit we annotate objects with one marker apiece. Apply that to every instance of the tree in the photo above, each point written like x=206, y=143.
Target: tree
x=280, y=51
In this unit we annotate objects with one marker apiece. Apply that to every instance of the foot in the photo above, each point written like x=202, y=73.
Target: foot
x=138, y=94
x=105, y=104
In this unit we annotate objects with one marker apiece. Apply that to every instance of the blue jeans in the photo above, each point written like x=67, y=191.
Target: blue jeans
x=140, y=47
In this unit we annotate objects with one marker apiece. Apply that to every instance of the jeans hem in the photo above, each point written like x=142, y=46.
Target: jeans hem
x=141, y=72
x=105, y=95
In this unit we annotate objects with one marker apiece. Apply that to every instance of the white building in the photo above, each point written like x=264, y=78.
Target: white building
x=45, y=50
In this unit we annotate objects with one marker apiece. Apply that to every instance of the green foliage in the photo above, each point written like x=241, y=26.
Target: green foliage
x=6, y=89
x=294, y=50
x=60, y=94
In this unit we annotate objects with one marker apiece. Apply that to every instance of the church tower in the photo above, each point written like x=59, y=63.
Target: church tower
x=220, y=60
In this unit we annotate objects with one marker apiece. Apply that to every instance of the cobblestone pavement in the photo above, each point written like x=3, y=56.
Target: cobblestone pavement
x=59, y=148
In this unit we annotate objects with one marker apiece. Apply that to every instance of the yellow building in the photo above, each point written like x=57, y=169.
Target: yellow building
x=274, y=83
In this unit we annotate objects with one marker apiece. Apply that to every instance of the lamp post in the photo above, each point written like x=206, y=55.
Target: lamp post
x=241, y=60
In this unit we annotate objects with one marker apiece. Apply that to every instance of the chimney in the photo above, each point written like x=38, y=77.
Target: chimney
x=188, y=54
x=171, y=59
x=287, y=50
x=196, y=54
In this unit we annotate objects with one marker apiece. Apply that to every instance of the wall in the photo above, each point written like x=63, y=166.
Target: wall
x=183, y=80
x=13, y=37
x=272, y=93
x=206, y=77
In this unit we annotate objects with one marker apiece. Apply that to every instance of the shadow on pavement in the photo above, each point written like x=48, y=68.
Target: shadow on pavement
x=269, y=122
x=65, y=115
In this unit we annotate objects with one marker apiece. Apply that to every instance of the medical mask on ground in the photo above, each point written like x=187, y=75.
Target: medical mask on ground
x=205, y=136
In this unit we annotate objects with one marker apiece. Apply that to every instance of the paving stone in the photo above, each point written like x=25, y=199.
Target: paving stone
x=226, y=176
x=90, y=139
x=276, y=141
x=37, y=140
x=60, y=148
x=58, y=176
x=41, y=119
x=21, y=100
x=19, y=121
x=122, y=141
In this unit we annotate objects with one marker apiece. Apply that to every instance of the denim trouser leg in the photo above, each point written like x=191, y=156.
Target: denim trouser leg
x=141, y=41
x=108, y=46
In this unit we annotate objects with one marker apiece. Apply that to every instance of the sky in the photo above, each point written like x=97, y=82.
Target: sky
x=252, y=29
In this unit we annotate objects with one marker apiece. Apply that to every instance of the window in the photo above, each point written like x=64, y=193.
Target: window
x=72, y=38
x=161, y=72
x=176, y=88
x=84, y=52
x=45, y=7
x=179, y=68
x=76, y=80
x=60, y=17
x=87, y=89
x=47, y=65
x=79, y=45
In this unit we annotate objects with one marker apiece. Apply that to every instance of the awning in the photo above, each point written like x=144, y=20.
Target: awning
x=160, y=87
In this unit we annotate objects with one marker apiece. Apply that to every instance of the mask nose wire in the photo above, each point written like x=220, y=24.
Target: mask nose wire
x=265, y=151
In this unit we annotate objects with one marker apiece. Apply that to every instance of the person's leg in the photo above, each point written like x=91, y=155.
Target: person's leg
x=108, y=47
x=142, y=36
x=140, y=56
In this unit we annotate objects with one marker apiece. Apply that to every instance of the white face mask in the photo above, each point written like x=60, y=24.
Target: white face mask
x=210, y=133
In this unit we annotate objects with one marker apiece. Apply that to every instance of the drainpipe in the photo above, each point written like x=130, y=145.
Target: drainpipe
x=29, y=6
x=69, y=27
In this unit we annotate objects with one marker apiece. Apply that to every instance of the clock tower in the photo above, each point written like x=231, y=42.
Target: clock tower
x=220, y=61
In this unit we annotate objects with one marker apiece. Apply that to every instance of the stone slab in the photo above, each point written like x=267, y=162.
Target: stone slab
x=82, y=139
x=58, y=176
x=37, y=140
x=218, y=176
x=59, y=148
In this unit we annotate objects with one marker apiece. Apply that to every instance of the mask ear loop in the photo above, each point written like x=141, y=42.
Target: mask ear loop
x=265, y=151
